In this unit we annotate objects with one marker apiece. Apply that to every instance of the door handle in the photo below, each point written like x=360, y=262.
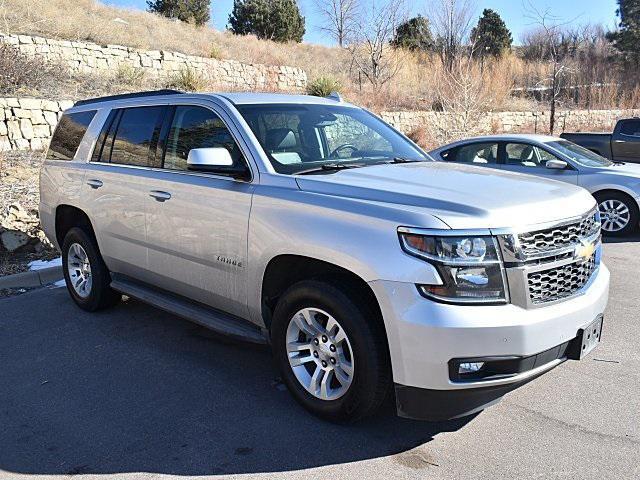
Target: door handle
x=160, y=196
x=618, y=141
x=94, y=183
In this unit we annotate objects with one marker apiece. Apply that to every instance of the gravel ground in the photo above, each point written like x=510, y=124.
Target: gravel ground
x=19, y=172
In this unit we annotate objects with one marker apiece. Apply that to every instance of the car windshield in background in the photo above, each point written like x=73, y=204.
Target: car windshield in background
x=308, y=138
x=579, y=154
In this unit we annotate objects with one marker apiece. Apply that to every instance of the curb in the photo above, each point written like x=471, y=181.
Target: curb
x=32, y=278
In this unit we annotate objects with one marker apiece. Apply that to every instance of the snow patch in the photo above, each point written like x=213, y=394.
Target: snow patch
x=40, y=264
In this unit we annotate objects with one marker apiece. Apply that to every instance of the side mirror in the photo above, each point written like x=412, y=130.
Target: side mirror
x=556, y=164
x=215, y=160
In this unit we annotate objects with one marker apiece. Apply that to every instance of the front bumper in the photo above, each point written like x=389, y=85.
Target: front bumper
x=424, y=336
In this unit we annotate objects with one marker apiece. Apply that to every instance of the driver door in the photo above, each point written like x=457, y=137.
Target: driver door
x=528, y=158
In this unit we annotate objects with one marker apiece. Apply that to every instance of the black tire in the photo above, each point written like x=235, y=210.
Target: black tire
x=372, y=371
x=100, y=295
x=630, y=204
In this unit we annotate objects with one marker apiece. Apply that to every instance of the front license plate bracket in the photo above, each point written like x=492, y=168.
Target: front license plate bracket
x=589, y=337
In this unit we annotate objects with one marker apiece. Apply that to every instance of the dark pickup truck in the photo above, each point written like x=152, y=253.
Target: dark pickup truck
x=623, y=145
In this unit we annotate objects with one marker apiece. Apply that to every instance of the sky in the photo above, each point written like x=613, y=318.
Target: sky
x=512, y=11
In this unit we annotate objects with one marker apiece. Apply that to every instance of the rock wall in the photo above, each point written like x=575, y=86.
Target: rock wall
x=28, y=123
x=88, y=57
x=505, y=122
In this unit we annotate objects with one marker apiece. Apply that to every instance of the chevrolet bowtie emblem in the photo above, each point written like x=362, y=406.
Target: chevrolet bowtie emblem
x=584, y=251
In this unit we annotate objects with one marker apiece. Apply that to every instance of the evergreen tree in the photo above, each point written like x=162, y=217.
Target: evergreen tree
x=627, y=38
x=190, y=11
x=277, y=20
x=414, y=34
x=491, y=36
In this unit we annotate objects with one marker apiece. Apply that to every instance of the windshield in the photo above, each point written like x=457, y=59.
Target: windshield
x=299, y=138
x=579, y=154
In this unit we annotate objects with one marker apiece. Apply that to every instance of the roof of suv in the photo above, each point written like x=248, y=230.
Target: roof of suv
x=242, y=98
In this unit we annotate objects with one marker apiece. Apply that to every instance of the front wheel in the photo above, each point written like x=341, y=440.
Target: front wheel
x=619, y=213
x=331, y=351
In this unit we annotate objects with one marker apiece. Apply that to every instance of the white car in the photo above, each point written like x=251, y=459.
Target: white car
x=615, y=185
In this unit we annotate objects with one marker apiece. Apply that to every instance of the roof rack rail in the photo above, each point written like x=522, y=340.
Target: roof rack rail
x=151, y=93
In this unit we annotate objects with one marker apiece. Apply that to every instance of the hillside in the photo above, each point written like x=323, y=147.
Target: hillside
x=413, y=86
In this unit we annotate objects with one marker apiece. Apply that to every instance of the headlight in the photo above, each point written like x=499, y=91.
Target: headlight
x=469, y=266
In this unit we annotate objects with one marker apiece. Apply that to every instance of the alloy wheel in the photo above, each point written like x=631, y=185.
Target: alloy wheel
x=615, y=215
x=320, y=353
x=79, y=269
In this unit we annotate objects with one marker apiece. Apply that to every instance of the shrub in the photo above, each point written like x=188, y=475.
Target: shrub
x=323, y=86
x=422, y=137
x=130, y=75
x=190, y=11
x=414, y=34
x=215, y=52
x=22, y=74
x=189, y=80
x=277, y=20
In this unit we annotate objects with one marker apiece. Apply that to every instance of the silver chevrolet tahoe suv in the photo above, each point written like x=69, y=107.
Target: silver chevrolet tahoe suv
x=311, y=225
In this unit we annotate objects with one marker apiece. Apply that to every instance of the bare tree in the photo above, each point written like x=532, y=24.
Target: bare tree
x=340, y=17
x=554, y=46
x=371, y=52
x=464, y=97
x=451, y=23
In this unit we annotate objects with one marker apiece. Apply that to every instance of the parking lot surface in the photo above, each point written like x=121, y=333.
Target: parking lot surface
x=134, y=392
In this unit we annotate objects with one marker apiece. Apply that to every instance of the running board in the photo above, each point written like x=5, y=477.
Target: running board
x=210, y=318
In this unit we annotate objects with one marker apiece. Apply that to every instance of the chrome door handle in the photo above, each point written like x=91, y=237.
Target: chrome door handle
x=94, y=183
x=160, y=196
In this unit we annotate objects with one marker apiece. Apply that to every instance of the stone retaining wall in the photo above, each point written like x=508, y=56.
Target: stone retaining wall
x=88, y=57
x=505, y=122
x=28, y=123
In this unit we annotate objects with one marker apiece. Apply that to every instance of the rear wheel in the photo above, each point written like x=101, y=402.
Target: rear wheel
x=619, y=213
x=85, y=273
x=331, y=351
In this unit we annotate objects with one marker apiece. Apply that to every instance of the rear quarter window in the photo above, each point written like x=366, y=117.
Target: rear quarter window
x=68, y=135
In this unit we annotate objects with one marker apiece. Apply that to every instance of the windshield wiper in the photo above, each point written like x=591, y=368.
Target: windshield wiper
x=619, y=163
x=330, y=167
x=404, y=160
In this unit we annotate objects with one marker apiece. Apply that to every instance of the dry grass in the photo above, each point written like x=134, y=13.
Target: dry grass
x=412, y=88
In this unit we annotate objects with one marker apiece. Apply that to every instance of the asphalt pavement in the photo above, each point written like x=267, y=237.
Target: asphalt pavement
x=134, y=392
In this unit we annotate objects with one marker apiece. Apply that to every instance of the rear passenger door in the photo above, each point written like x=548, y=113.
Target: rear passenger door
x=197, y=232
x=117, y=186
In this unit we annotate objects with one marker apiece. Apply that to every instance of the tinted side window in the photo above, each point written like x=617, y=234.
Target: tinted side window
x=521, y=154
x=630, y=127
x=196, y=127
x=136, y=136
x=102, y=150
x=483, y=153
x=68, y=135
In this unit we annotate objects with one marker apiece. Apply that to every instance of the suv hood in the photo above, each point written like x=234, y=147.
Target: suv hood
x=461, y=196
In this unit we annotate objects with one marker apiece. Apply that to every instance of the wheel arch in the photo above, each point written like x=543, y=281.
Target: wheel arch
x=285, y=270
x=617, y=190
x=69, y=216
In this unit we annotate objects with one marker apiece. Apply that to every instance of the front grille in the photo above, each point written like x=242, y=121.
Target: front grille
x=541, y=242
x=559, y=282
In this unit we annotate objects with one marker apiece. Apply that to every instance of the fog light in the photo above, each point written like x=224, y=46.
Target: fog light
x=471, y=367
